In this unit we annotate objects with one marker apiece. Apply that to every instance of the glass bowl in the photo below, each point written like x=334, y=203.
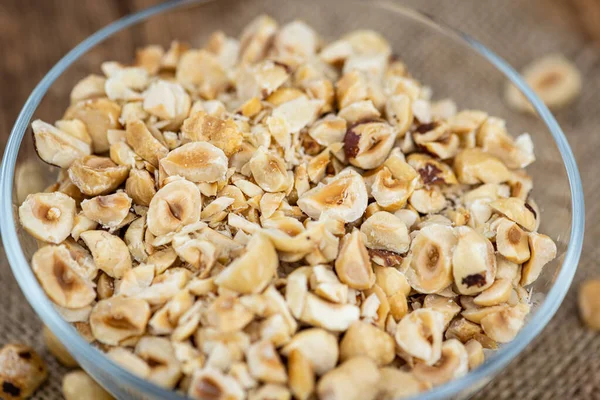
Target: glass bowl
x=453, y=64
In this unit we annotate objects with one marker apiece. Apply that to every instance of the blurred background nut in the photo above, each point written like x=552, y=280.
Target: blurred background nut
x=364, y=339
x=201, y=71
x=56, y=348
x=95, y=175
x=301, y=375
x=110, y=253
x=90, y=87
x=589, y=303
x=355, y=379
x=56, y=270
x=78, y=385
x=264, y=363
x=475, y=353
x=318, y=345
x=197, y=162
x=543, y=250
x=419, y=334
x=57, y=147
x=175, y=205
x=99, y=115
x=430, y=259
x=48, y=216
x=473, y=262
x=493, y=138
x=158, y=352
x=503, y=325
x=343, y=197
x=22, y=371
x=454, y=363
x=109, y=210
x=167, y=100
x=395, y=384
x=211, y=383
x=118, y=318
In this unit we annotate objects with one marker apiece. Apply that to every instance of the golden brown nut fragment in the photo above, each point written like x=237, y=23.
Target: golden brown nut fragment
x=368, y=144
x=176, y=205
x=264, y=363
x=22, y=371
x=222, y=133
x=475, y=353
x=109, y=210
x=196, y=162
x=144, y=143
x=589, y=303
x=57, y=349
x=210, y=383
x=473, y=261
x=353, y=265
x=140, y=187
x=453, y=363
x=301, y=375
x=364, y=339
x=252, y=271
x=56, y=269
x=57, y=147
x=504, y=324
x=98, y=115
x=343, y=197
x=318, y=346
x=543, y=250
x=430, y=259
x=79, y=385
x=516, y=210
x=396, y=384
x=110, y=252
x=355, y=379
x=473, y=166
x=48, y=216
x=419, y=334
x=95, y=175
x=118, y=318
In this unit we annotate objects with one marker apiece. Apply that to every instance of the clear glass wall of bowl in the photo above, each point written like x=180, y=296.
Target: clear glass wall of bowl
x=433, y=55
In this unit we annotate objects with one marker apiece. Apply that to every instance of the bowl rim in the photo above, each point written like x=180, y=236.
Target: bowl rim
x=82, y=350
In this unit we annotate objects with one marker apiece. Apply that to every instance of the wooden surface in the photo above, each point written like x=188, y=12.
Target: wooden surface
x=35, y=34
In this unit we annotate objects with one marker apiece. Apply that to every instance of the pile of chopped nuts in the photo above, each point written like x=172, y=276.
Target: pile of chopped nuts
x=276, y=216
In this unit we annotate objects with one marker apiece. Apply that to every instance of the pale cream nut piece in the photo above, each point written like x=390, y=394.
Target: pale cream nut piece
x=270, y=391
x=543, y=250
x=253, y=270
x=473, y=262
x=256, y=38
x=353, y=265
x=99, y=115
x=391, y=281
x=48, y=216
x=398, y=111
x=262, y=80
x=296, y=38
x=109, y=211
x=453, y=363
x=355, y=379
x=301, y=375
x=343, y=197
x=227, y=314
x=553, y=77
x=496, y=294
x=503, y=325
x=81, y=223
x=158, y=352
x=367, y=144
x=385, y=231
x=145, y=145
x=118, y=318
x=512, y=242
x=589, y=303
x=134, y=238
x=75, y=128
x=196, y=162
x=79, y=385
x=475, y=353
x=201, y=71
x=298, y=113
x=57, y=349
x=269, y=171
x=222, y=133
x=396, y=384
x=473, y=166
x=432, y=171
x=201, y=255
x=95, y=175
x=57, y=147
x=167, y=100
x=140, y=186
x=420, y=335
x=90, y=87
x=174, y=206
x=364, y=339
x=110, y=253
x=325, y=283
x=265, y=364
x=516, y=210
x=128, y=360
x=210, y=383
x=56, y=269
x=331, y=316
x=493, y=138
x=447, y=306
x=296, y=289
x=319, y=346
x=22, y=371
x=328, y=130
x=363, y=110
x=430, y=259
x=367, y=42
x=427, y=201
x=336, y=52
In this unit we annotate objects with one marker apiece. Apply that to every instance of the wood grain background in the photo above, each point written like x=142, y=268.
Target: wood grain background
x=564, y=363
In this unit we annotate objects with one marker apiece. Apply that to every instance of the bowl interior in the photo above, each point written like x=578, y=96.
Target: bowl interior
x=434, y=55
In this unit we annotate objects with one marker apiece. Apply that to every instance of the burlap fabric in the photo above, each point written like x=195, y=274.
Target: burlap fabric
x=564, y=361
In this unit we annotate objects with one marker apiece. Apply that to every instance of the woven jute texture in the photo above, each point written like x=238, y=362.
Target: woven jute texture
x=564, y=361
